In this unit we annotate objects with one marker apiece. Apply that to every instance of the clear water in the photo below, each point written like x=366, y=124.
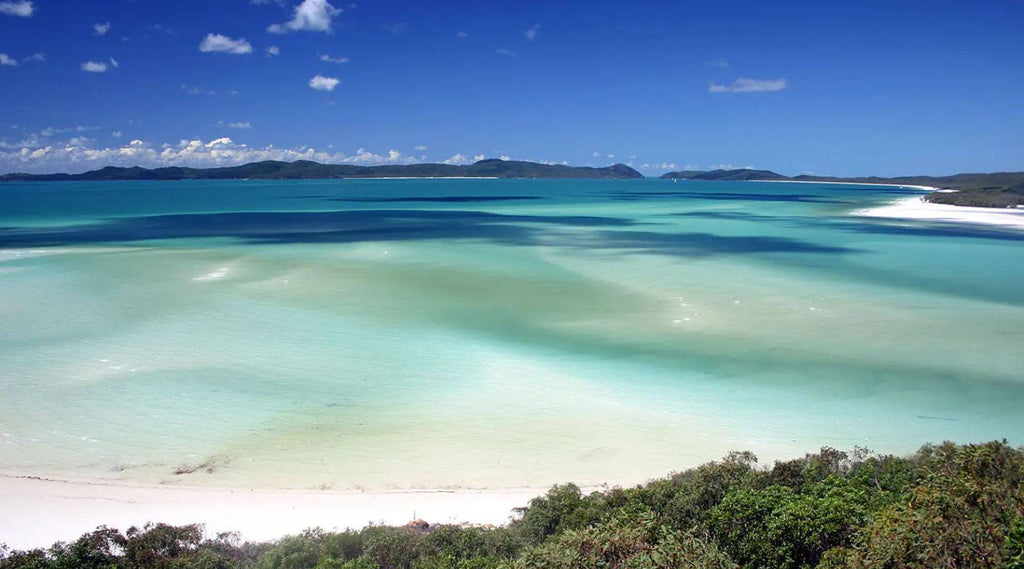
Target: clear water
x=488, y=333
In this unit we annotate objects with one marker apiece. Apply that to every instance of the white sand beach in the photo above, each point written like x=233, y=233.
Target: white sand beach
x=917, y=208
x=39, y=511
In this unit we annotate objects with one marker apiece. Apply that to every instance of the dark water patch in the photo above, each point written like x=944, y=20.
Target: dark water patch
x=697, y=244
x=926, y=229
x=590, y=232
x=307, y=227
x=439, y=199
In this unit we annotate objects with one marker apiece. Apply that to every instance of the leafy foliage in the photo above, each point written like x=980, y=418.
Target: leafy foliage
x=948, y=506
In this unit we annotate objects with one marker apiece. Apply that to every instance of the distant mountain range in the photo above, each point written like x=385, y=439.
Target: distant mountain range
x=305, y=169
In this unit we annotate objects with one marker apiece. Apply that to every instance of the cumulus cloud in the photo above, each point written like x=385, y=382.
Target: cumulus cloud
x=309, y=16
x=273, y=51
x=224, y=44
x=321, y=83
x=661, y=166
x=116, y=134
x=329, y=59
x=462, y=159
x=7, y=60
x=746, y=85
x=94, y=67
x=101, y=29
x=23, y=9
x=68, y=157
x=532, y=33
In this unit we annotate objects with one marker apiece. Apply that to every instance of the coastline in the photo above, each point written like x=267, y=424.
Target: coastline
x=913, y=187
x=39, y=511
x=916, y=208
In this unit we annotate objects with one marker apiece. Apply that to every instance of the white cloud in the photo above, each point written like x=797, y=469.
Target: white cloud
x=67, y=157
x=116, y=134
x=503, y=51
x=245, y=124
x=94, y=67
x=745, y=85
x=657, y=166
x=114, y=63
x=420, y=147
x=199, y=90
x=719, y=63
x=273, y=51
x=6, y=60
x=35, y=57
x=23, y=9
x=101, y=29
x=310, y=16
x=224, y=44
x=462, y=159
x=321, y=83
x=532, y=33
x=461, y=34
x=330, y=59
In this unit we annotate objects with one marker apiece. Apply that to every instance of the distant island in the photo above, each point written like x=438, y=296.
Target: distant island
x=1000, y=189
x=306, y=169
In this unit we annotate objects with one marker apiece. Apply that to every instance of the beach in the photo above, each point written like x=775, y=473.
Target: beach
x=916, y=208
x=38, y=511
x=265, y=356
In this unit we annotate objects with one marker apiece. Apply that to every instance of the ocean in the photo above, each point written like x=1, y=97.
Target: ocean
x=432, y=334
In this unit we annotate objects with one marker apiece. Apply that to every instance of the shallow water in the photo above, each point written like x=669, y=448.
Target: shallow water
x=488, y=333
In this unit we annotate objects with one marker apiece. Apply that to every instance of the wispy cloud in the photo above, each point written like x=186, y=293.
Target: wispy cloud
x=322, y=83
x=23, y=9
x=461, y=34
x=224, y=44
x=503, y=51
x=101, y=29
x=397, y=28
x=114, y=63
x=532, y=33
x=34, y=58
x=240, y=125
x=329, y=59
x=745, y=85
x=94, y=67
x=309, y=16
x=199, y=90
x=719, y=63
x=272, y=51
x=6, y=60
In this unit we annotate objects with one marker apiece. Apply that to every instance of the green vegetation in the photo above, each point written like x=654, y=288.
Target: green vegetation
x=985, y=197
x=305, y=169
x=1001, y=189
x=946, y=506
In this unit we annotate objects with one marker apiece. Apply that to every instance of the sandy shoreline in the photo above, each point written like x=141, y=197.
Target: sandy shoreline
x=39, y=511
x=916, y=208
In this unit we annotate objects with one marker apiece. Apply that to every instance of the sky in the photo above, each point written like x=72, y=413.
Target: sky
x=826, y=87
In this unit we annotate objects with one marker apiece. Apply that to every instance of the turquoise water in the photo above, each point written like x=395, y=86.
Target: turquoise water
x=386, y=334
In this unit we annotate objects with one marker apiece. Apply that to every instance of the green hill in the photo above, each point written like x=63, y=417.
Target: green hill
x=305, y=169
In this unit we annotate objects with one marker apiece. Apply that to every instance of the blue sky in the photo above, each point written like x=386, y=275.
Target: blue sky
x=842, y=88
